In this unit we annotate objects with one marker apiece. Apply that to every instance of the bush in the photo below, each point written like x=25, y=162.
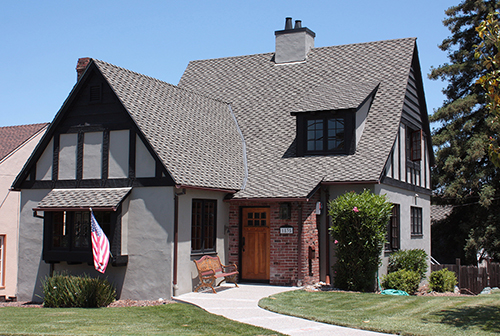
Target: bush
x=411, y=260
x=402, y=279
x=442, y=281
x=359, y=225
x=61, y=290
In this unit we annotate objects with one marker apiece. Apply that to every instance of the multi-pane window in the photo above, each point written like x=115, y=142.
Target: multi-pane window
x=2, y=261
x=413, y=144
x=203, y=225
x=257, y=219
x=416, y=221
x=392, y=243
x=71, y=229
x=325, y=134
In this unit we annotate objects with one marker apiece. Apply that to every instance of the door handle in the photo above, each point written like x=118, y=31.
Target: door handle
x=243, y=244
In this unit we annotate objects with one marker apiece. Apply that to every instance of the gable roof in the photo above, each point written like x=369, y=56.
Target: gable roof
x=12, y=137
x=263, y=95
x=195, y=138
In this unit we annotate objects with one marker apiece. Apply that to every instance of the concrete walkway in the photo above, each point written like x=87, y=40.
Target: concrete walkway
x=241, y=304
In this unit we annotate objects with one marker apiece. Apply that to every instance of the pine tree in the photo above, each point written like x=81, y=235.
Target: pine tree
x=464, y=175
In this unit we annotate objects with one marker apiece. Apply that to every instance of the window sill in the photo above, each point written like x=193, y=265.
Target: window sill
x=417, y=236
x=201, y=254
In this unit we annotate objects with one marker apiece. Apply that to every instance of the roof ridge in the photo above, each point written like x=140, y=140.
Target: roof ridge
x=24, y=125
x=161, y=81
x=369, y=42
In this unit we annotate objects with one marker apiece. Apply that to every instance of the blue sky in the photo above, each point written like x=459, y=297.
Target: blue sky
x=41, y=41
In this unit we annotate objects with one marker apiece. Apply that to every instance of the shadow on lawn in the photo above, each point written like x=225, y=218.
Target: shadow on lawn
x=486, y=318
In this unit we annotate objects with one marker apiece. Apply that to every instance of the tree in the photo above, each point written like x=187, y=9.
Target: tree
x=489, y=52
x=464, y=176
x=359, y=224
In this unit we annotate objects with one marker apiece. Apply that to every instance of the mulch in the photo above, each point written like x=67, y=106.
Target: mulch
x=117, y=303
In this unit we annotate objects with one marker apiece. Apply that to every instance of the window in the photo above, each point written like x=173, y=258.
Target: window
x=203, y=225
x=326, y=134
x=2, y=261
x=413, y=144
x=416, y=221
x=67, y=234
x=392, y=243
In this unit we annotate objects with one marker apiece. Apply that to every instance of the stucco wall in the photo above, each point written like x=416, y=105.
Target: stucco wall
x=9, y=212
x=406, y=199
x=187, y=273
x=147, y=218
x=147, y=237
x=32, y=269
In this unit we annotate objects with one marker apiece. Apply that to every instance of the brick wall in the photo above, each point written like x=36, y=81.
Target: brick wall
x=284, y=251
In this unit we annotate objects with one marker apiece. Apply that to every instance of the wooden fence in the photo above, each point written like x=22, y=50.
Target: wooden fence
x=473, y=278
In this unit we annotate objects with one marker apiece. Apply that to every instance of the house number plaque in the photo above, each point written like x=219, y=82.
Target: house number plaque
x=286, y=229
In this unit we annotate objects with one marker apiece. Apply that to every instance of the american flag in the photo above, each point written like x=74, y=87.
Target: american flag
x=100, y=245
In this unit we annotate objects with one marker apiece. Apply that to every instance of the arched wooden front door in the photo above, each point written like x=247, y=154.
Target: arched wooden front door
x=256, y=242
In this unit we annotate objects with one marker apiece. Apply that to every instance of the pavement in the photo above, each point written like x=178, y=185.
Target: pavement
x=241, y=304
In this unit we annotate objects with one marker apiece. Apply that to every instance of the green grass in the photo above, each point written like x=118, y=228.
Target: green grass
x=405, y=315
x=170, y=319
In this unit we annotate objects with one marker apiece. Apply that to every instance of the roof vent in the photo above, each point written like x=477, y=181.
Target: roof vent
x=293, y=45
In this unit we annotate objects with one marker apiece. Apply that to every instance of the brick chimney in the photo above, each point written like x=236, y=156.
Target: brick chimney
x=293, y=44
x=81, y=66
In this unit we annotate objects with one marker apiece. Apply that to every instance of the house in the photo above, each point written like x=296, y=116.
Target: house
x=240, y=159
x=16, y=145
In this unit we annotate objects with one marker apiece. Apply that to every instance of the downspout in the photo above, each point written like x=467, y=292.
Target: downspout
x=327, y=237
x=299, y=223
x=176, y=238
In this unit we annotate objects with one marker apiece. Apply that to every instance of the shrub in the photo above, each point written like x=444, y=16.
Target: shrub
x=359, y=224
x=61, y=290
x=443, y=280
x=411, y=260
x=402, y=279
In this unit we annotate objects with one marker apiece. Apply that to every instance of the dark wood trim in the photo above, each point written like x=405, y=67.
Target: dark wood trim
x=131, y=154
x=79, y=157
x=99, y=183
x=105, y=154
x=55, y=158
x=403, y=185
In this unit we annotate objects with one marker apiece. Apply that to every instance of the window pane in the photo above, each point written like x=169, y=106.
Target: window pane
x=336, y=133
x=60, y=235
x=196, y=221
x=81, y=230
x=203, y=225
x=315, y=131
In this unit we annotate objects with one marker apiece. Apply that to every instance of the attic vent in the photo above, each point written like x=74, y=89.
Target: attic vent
x=95, y=93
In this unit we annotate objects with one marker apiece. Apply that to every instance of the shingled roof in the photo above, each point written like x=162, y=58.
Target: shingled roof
x=12, y=137
x=263, y=95
x=195, y=137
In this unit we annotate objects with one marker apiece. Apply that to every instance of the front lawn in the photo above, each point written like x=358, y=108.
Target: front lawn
x=406, y=315
x=170, y=319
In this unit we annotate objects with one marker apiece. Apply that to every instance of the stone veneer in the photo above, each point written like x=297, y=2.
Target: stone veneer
x=284, y=249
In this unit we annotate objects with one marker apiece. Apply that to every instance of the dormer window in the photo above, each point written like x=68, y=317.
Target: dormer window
x=325, y=133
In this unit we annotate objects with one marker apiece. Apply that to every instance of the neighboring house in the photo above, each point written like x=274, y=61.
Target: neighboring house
x=16, y=145
x=239, y=159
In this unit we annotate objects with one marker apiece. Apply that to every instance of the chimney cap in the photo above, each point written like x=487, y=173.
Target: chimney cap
x=298, y=28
